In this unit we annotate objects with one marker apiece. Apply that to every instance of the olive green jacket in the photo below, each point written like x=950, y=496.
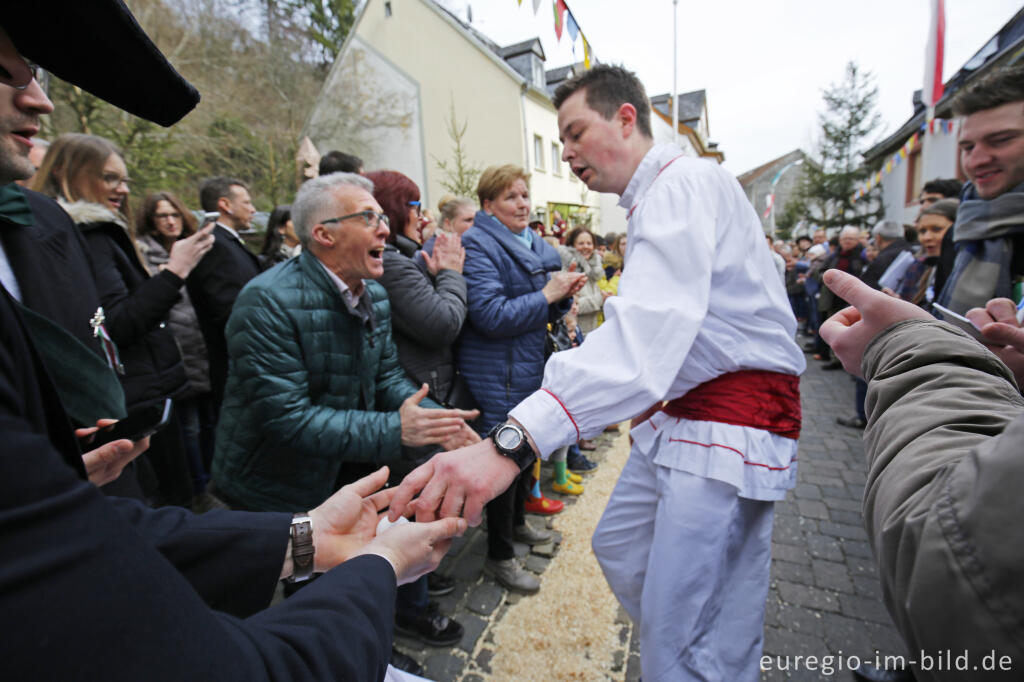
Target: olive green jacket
x=945, y=493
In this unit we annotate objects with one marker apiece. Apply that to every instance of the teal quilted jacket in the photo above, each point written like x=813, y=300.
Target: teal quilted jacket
x=311, y=390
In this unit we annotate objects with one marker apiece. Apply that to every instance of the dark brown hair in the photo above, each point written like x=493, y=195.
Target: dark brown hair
x=994, y=90
x=146, y=223
x=608, y=88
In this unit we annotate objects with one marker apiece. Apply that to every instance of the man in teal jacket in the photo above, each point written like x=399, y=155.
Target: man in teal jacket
x=315, y=395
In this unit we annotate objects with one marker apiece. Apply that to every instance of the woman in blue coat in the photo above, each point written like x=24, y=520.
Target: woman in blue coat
x=512, y=296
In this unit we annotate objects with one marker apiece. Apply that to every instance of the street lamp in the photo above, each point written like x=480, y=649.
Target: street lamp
x=775, y=181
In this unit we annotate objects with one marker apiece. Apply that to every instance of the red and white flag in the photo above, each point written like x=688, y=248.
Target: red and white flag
x=932, y=90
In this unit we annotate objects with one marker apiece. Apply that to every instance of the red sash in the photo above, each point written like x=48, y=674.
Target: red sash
x=764, y=400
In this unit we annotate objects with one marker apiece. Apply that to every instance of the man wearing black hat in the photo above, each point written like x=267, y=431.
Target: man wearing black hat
x=103, y=588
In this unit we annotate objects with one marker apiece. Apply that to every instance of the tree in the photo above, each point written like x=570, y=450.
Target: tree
x=825, y=195
x=460, y=175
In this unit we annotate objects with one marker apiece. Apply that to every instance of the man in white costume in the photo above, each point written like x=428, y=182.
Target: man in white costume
x=701, y=321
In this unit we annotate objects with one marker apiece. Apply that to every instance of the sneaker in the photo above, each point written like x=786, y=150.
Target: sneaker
x=543, y=505
x=439, y=585
x=510, y=574
x=580, y=464
x=567, y=488
x=575, y=478
x=405, y=662
x=530, y=535
x=430, y=627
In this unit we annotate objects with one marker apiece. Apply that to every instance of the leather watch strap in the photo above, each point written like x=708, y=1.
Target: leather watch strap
x=302, y=548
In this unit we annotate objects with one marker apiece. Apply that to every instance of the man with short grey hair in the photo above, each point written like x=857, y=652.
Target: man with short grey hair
x=315, y=396
x=889, y=237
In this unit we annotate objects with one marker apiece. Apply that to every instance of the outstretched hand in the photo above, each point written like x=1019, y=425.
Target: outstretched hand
x=456, y=483
x=347, y=520
x=415, y=549
x=998, y=323
x=849, y=331
x=424, y=426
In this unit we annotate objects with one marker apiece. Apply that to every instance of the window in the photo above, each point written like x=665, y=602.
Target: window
x=556, y=159
x=538, y=153
x=387, y=9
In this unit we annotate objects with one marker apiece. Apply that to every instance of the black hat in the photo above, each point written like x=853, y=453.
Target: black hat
x=98, y=46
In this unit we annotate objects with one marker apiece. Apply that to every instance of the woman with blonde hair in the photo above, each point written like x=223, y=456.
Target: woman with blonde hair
x=515, y=287
x=88, y=177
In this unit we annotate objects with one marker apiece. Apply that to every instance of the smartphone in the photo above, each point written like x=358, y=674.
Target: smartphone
x=960, y=322
x=209, y=217
x=141, y=423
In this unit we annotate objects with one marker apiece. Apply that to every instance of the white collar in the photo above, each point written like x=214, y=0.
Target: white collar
x=650, y=166
x=233, y=233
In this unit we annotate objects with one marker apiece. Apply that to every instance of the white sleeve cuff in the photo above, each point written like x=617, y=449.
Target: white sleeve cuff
x=547, y=420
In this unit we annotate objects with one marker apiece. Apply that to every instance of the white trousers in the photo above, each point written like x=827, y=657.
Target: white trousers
x=689, y=560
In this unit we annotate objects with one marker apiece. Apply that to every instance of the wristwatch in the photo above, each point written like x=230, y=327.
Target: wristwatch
x=510, y=440
x=302, y=548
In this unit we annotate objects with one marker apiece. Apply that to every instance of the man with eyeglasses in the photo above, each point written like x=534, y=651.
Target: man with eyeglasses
x=315, y=396
x=104, y=588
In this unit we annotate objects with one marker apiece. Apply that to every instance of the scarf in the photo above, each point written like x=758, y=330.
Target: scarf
x=983, y=235
x=13, y=205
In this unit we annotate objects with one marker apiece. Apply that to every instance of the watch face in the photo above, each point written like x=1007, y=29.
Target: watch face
x=508, y=438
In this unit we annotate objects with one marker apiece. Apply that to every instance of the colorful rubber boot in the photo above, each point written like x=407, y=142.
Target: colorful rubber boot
x=562, y=483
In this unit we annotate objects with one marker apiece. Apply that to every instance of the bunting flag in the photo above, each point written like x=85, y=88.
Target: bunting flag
x=586, y=53
x=571, y=26
x=536, y=6
x=560, y=10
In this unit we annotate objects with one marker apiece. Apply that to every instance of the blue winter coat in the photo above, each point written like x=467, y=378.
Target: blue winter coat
x=501, y=349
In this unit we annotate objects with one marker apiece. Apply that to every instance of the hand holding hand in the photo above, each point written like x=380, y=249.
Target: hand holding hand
x=998, y=323
x=415, y=549
x=422, y=426
x=347, y=520
x=457, y=483
x=849, y=331
x=186, y=253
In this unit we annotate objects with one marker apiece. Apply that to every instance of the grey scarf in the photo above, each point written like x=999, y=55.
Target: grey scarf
x=983, y=235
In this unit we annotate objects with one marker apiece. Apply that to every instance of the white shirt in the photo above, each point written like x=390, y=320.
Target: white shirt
x=699, y=297
x=351, y=300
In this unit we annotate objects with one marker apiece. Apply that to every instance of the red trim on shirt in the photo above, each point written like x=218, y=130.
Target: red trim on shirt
x=745, y=460
x=567, y=413
x=633, y=208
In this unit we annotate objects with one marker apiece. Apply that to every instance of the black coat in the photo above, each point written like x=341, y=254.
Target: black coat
x=136, y=307
x=53, y=271
x=876, y=268
x=107, y=589
x=213, y=286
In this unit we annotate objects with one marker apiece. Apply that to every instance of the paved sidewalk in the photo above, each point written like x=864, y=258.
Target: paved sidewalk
x=824, y=598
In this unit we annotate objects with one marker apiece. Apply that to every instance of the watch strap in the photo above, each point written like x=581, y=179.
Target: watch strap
x=302, y=548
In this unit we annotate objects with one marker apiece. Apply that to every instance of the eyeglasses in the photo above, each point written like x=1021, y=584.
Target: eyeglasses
x=372, y=218
x=113, y=180
x=34, y=69
x=167, y=216
x=418, y=205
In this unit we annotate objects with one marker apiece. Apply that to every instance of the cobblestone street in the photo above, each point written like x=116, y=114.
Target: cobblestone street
x=824, y=597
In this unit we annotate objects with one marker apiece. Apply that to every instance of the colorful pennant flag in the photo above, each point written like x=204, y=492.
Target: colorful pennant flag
x=560, y=10
x=536, y=6
x=571, y=26
x=586, y=53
